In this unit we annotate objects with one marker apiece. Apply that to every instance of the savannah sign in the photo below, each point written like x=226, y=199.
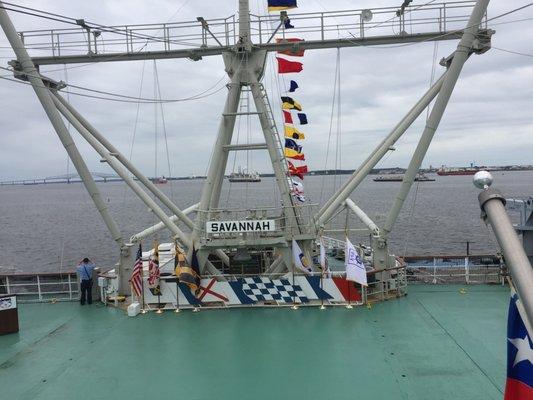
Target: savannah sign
x=262, y=225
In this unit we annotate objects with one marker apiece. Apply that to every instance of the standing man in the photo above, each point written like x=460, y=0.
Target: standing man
x=85, y=272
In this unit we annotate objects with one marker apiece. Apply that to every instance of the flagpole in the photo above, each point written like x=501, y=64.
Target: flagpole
x=177, y=295
x=294, y=306
x=349, y=305
x=143, y=309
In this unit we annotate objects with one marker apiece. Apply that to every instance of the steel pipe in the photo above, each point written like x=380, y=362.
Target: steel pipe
x=365, y=219
x=160, y=226
x=44, y=97
x=331, y=206
x=493, y=204
x=460, y=56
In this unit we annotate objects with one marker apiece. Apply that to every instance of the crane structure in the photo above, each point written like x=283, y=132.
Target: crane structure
x=244, y=41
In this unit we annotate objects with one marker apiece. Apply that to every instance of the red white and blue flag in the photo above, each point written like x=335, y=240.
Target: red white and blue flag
x=519, y=385
x=137, y=274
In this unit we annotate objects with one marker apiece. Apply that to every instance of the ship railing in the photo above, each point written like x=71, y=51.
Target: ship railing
x=41, y=287
x=460, y=270
x=332, y=25
x=91, y=39
x=283, y=226
x=129, y=39
x=394, y=286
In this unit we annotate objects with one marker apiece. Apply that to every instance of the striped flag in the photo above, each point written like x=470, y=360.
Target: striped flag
x=137, y=274
x=153, y=271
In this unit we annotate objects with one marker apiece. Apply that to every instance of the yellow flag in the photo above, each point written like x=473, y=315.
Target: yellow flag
x=290, y=153
x=293, y=133
x=290, y=104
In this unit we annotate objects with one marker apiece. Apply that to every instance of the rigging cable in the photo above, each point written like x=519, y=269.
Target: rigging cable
x=163, y=124
x=123, y=98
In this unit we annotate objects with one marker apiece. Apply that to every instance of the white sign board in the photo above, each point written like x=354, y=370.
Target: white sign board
x=7, y=303
x=261, y=225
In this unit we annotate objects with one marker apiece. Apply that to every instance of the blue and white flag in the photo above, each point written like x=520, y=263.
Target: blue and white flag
x=300, y=260
x=355, y=269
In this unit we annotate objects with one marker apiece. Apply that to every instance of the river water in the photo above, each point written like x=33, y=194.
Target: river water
x=50, y=227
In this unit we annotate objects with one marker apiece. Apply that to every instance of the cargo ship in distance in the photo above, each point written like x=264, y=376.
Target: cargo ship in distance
x=399, y=178
x=443, y=171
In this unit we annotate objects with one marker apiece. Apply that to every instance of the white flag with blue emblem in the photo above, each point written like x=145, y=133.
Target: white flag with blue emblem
x=355, y=269
x=300, y=260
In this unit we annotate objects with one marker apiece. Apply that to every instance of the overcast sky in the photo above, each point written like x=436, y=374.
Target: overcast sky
x=489, y=120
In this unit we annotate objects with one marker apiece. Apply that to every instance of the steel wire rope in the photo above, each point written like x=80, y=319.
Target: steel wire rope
x=163, y=125
x=135, y=125
x=330, y=131
x=512, y=52
x=119, y=100
x=147, y=100
x=417, y=184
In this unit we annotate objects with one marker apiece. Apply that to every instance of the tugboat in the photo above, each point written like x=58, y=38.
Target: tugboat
x=243, y=176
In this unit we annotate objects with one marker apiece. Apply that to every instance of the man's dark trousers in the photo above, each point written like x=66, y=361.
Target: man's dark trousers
x=86, y=291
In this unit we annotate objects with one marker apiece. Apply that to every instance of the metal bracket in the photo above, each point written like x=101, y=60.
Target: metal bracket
x=481, y=44
x=18, y=73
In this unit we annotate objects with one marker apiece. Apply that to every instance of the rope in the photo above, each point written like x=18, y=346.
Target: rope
x=412, y=210
x=332, y=113
x=163, y=122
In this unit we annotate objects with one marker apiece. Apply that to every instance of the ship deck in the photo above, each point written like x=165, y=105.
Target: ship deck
x=439, y=342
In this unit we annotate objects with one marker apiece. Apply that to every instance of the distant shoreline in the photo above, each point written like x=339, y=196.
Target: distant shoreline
x=320, y=172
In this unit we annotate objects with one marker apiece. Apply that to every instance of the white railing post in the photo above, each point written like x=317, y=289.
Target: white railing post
x=39, y=288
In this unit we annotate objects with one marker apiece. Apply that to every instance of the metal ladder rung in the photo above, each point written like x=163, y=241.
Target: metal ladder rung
x=241, y=113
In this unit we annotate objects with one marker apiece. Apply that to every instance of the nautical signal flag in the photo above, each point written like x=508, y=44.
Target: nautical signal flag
x=293, y=133
x=288, y=103
x=303, y=118
x=293, y=86
x=300, y=260
x=291, y=144
x=297, y=171
x=294, y=49
x=519, y=385
x=295, y=155
x=287, y=117
x=190, y=275
x=289, y=67
x=277, y=5
x=287, y=23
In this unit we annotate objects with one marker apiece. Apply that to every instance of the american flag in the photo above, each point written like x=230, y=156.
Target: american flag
x=136, y=275
x=153, y=268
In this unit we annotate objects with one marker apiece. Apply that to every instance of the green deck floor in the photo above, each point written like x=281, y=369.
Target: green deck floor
x=434, y=344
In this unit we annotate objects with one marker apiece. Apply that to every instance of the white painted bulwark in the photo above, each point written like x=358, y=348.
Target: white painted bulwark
x=261, y=225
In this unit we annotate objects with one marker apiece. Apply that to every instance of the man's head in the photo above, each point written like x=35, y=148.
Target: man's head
x=86, y=260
